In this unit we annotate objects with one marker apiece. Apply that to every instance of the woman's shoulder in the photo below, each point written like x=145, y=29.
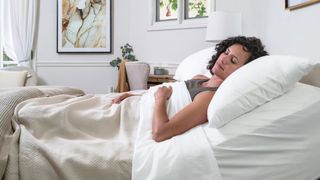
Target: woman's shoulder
x=204, y=98
x=200, y=76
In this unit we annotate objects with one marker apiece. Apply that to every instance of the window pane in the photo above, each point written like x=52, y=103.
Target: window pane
x=7, y=61
x=197, y=8
x=167, y=10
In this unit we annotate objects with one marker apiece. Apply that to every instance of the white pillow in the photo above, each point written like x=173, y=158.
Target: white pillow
x=255, y=84
x=12, y=78
x=194, y=64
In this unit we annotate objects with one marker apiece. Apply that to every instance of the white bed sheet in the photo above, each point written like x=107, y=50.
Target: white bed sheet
x=276, y=141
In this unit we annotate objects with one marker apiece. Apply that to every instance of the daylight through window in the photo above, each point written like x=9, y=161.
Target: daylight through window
x=196, y=8
x=5, y=61
x=167, y=10
x=179, y=14
x=170, y=9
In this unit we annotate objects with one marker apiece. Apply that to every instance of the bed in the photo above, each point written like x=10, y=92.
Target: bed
x=62, y=133
x=279, y=140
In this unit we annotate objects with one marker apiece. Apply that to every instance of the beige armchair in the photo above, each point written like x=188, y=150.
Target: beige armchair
x=31, y=79
x=137, y=75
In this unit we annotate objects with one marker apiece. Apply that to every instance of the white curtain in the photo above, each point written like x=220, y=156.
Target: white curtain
x=18, y=19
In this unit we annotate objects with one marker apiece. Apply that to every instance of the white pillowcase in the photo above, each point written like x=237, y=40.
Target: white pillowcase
x=255, y=84
x=194, y=64
x=12, y=78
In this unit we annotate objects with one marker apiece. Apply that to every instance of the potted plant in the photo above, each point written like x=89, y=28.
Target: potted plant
x=127, y=54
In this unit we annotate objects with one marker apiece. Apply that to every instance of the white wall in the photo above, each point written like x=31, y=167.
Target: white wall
x=282, y=31
x=169, y=46
x=92, y=72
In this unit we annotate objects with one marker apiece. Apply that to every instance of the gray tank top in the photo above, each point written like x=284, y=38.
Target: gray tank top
x=194, y=87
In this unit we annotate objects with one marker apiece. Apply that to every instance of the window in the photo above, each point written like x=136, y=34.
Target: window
x=1, y=52
x=179, y=14
x=5, y=61
x=197, y=8
x=166, y=10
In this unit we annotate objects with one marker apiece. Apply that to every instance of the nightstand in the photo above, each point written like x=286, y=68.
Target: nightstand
x=159, y=79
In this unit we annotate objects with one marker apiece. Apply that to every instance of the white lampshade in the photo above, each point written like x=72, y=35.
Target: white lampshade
x=222, y=25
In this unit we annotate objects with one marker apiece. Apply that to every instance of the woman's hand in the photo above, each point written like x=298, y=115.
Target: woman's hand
x=163, y=93
x=121, y=97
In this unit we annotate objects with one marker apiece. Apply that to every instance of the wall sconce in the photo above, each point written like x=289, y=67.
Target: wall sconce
x=222, y=25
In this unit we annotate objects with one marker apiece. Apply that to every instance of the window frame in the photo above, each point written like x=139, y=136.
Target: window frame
x=181, y=23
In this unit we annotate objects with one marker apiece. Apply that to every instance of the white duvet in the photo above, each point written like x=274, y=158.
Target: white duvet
x=187, y=156
x=86, y=137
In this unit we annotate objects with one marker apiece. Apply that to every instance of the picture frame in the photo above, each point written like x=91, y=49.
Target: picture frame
x=296, y=4
x=85, y=27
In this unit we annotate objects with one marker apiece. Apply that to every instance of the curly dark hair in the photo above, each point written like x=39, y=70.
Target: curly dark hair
x=252, y=45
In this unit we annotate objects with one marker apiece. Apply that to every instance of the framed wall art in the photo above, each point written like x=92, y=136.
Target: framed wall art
x=84, y=26
x=296, y=4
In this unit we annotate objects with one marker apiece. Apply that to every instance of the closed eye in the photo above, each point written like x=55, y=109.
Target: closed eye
x=234, y=60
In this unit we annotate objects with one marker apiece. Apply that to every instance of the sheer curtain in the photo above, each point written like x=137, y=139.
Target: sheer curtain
x=18, y=18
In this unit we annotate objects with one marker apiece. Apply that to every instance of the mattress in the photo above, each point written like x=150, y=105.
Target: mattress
x=278, y=140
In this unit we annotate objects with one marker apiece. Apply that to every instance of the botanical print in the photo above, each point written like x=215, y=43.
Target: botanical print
x=296, y=4
x=84, y=26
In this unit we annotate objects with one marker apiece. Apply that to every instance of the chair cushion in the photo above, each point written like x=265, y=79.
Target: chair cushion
x=137, y=73
x=12, y=78
x=31, y=79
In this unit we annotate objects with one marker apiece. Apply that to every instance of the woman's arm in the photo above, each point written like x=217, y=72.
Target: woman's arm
x=190, y=116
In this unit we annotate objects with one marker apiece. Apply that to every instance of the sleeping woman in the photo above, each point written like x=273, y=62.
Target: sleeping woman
x=231, y=54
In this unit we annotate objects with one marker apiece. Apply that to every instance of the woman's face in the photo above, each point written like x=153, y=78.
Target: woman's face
x=233, y=58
